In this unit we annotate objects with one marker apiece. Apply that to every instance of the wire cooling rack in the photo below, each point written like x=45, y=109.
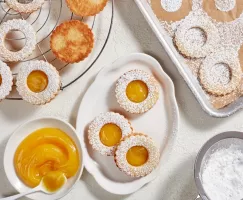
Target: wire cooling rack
x=44, y=21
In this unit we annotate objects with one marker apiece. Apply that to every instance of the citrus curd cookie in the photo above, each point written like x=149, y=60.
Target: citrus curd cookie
x=28, y=7
x=171, y=11
x=137, y=155
x=6, y=80
x=106, y=131
x=38, y=82
x=223, y=10
x=30, y=36
x=72, y=41
x=220, y=72
x=137, y=91
x=85, y=8
x=205, y=26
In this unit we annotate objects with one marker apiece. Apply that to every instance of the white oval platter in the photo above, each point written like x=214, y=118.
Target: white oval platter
x=160, y=123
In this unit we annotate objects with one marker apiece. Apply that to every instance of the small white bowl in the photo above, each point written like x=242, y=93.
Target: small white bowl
x=19, y=135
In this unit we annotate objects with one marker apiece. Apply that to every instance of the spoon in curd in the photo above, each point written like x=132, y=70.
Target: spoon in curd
x=50, y=183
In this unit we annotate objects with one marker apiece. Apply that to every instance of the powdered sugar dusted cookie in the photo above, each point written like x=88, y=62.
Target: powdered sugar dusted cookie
x=6, y=80
x=137, y=91
x=106, y=131
x=220, y=72
x=30, y=35
x=137, y=155
x=28, y=7
x=38, y=82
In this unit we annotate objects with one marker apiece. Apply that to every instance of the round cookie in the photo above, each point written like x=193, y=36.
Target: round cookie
x=103, y=128
x=25, y=7
x=140, y=161
x=38, y=82
x=6, y=80
x=230, y=78
x=30, y=35
x=194, y=51
x=137, y=81
x=175, y=15
x=85, y=8
x=211, y=7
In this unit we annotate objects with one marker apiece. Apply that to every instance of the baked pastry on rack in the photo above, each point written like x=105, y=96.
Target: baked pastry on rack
x=137, y=155
x=38, y=82
x=72, y=41
x=106, y=131
x=170, y=11
x=85, y=8
x=223, y=11
x=6, y=80
x=28, y=7
x=30, y=36
x=137, y=91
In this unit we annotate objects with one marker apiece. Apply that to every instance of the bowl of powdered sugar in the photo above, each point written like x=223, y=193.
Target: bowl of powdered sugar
x=219, y=168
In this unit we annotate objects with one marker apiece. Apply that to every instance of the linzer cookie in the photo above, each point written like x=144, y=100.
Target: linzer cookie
x=171, y=11
x=137, y=155
x=6, y=80
x=220, y=72
x=25, y=7
x=137, y=91
x=106, y=131
x=223, y=11
x=38, y=82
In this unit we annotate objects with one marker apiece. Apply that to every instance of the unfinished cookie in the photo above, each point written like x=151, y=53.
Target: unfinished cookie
x=137, y=155
x=30, y=36
x=38, y=82
x=25, y=7
x=6, y=80
x=196, y=51
x=220, y=72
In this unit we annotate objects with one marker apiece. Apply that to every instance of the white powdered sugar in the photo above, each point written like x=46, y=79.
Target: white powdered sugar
x=196, y=37
x=225, y=5
x=222, y=175
x=171, y=5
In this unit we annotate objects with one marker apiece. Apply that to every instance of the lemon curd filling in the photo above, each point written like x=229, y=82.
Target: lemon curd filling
x=110, y=134
x=46, y=153
x=137, y=91
x=137, y=156
x=54, y=180
x=37, y=81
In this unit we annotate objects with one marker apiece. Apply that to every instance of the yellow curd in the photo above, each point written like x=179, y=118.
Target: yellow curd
x=137, y=91
x=48, y=153
x=137, y=156
x=37, y=81
x=110, y=135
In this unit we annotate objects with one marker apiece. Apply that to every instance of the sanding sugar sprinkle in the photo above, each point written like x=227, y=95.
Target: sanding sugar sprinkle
x=225, y=5
x=222, y=175
x=171, y=5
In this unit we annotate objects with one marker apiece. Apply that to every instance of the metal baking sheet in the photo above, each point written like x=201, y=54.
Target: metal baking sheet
x=185, y=72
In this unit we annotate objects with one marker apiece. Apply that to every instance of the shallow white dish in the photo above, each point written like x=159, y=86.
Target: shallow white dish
x=160, y=123
x=17, y=137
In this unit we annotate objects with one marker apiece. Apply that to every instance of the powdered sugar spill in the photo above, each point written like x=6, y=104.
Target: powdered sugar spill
x=171, y=5
x=225, y=5
x=222, y=173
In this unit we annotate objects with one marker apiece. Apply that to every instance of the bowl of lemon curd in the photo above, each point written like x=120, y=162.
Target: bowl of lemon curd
x=44, y=149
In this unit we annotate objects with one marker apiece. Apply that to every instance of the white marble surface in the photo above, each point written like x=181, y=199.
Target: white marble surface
x=131, y=33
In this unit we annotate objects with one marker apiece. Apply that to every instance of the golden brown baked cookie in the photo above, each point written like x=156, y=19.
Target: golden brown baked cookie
x=177, y=15
x=86, y=7
x=72, y=41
